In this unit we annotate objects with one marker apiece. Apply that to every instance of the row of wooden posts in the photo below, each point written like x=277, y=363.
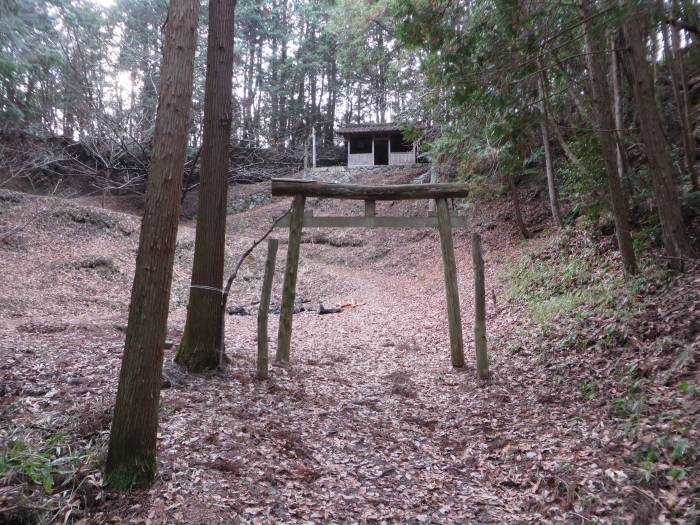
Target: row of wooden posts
x=300, y=189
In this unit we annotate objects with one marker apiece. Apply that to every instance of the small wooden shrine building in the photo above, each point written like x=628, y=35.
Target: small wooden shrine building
x=377, y=145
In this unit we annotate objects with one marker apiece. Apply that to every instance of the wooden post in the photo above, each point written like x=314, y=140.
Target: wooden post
x=284, y=336
x=313, y=147
x=265, y=307
x=389, y=151
x=387, y=192
x=482, y=359
x=451, y=284
x=370, y=208
x=433, y=180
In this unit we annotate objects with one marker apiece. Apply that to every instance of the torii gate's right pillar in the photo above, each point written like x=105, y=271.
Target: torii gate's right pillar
x=451, y=284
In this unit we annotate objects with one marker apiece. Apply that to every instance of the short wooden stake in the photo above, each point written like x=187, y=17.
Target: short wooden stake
x=482, y=359
x=265, y=307
x=284, y=336
x=433, y=180
x=451, y=284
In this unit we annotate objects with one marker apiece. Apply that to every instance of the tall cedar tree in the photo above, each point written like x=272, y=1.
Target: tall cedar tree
x=675, y=238
x=131, y=460
x=683, y=102
x=202, y=338
x=544, y=126
x=603, y=116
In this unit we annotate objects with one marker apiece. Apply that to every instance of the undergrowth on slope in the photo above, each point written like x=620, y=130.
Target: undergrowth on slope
x=628, y=348
x=45, y=476
x=566, y=280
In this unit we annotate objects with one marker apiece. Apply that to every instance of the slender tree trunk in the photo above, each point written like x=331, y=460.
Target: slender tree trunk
x=283, y=117
x=274, y=92
x=147, y=98
x=544, y=125
x=201, y=340
x=602, y=110
x=381, y=81
x=680, y=91
x=332, y=95
x=131, y=460
x=616, y=74
x=515, y=197
x=564, y=146
x=249, y=95
x=313, y=88
x=258, y=93
x=676, y=241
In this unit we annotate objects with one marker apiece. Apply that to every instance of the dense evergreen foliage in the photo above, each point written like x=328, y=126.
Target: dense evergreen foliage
x=74, y=68
x=506, y=78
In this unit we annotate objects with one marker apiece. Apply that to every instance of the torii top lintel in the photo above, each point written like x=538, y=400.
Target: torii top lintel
x=309, y=188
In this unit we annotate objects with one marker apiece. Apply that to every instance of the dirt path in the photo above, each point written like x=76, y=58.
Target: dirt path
x=370, y=424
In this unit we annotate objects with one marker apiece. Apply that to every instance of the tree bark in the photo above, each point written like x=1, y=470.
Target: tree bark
x=201, y=340
x=675, y=238
x=544, y=125
x=454, y=316
x=515, y=197
x=616, y=74
x=332, y=96
x=680, y=91
x=131, y=460
x=602, y=110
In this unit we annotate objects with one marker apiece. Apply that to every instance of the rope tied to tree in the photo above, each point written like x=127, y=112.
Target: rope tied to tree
x=210, y=288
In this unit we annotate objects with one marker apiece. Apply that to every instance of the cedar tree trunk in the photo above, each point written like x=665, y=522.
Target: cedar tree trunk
x=202, y=339
x=544, y=125
x=515, y=198
x=602, y=110
x=676, y=241
x=131, y=460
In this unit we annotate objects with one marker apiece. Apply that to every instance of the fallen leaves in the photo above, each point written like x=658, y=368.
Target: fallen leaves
x=369, y=424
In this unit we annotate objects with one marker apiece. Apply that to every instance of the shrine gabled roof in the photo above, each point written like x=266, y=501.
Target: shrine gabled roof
x=353, y=129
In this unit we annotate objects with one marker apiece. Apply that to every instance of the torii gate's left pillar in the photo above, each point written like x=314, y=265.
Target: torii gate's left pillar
x=284, y=336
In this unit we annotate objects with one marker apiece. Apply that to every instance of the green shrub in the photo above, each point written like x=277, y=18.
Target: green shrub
x=557, y=280
x=44, y=464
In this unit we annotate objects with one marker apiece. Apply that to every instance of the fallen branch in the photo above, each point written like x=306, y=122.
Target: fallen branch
x=229, y=282
x=322, y=310
x=14, y=230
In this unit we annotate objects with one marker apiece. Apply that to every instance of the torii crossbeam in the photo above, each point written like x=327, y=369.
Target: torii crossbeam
x=444, y=221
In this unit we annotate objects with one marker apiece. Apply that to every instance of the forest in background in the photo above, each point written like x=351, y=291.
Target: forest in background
x=81, y=71
x=504, y=86
x=76, y=69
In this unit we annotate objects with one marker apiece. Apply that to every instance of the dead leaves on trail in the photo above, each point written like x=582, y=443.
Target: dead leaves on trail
x=369, y=423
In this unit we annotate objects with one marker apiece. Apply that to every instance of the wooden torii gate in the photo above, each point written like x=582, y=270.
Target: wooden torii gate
x=301, y=189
